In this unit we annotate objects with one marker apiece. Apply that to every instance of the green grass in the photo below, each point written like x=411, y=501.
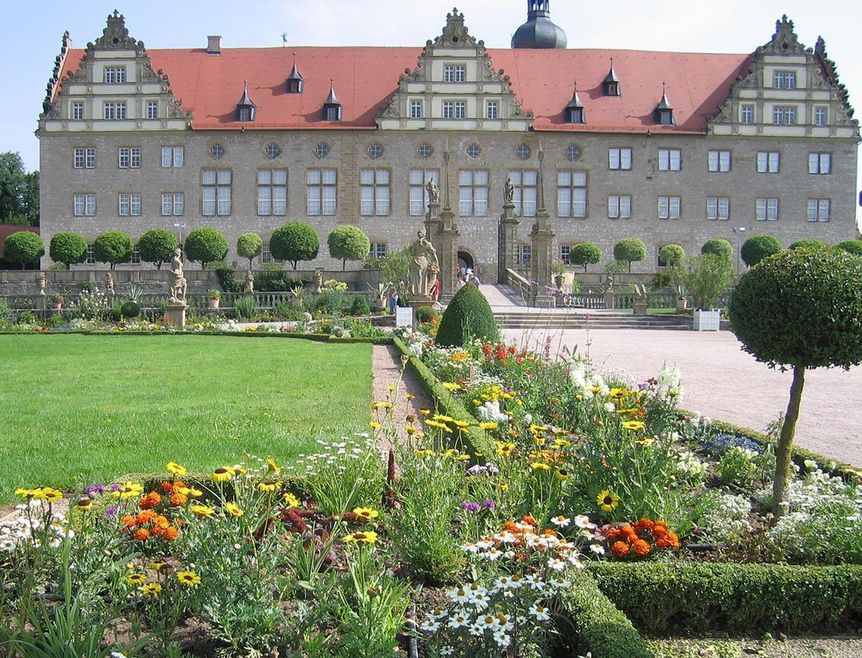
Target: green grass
x=78, y=409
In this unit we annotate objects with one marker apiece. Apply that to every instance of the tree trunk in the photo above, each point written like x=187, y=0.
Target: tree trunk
x=785, y=445
x=343, y=264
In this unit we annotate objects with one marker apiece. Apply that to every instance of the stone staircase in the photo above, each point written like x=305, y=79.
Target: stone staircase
x=561, y=319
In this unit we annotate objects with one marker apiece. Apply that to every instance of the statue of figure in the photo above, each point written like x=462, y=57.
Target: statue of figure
x=509, y=191
x=178, y=281
x=249, y=283
x=43, y=280
x=609, y=281
x=433, y=192
x=423, y=265
x=109, y=285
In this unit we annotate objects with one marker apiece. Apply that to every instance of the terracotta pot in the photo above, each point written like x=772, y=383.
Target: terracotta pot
x=213, y=303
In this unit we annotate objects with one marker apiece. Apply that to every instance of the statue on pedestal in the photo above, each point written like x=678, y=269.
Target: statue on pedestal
x=43, y=280
x=433, y=192
x=509, y=191
x=109, y=287
x=178, y=280
x=423, y=265
x=249, y=283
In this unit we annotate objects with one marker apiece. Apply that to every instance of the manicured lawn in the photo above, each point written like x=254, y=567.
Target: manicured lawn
x=82, y=409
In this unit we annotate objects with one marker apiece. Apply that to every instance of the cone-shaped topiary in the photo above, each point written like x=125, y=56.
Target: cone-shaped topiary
x=468, y=316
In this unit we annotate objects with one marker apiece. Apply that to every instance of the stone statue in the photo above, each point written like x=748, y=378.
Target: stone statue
x=109, y=286
x=43, y=280
x=423, y=265
x=509, y=191
x=178, y=281
x=433, y=192
x=249, y=283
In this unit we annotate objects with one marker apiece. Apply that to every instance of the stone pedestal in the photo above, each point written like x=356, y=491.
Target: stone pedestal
x=640, y=307
x=175, y=316
x=506, y=232
x=446, y=243
x=542, y=239
x=416, y=303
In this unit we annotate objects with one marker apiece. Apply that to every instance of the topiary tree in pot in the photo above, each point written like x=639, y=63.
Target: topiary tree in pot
x=630, y=250
x=157, y=246
x=206, y=245
x=293, y=242
x=23, y=247
x=585, y=253
x=799, y=309
x=348, y=243
x=113, y=247
x=249, y=245
x=718, y=247
x=468, y=316
x=68, y=248
x=758, y=247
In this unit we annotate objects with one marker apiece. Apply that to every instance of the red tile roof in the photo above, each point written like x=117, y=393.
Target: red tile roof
x=366, y=77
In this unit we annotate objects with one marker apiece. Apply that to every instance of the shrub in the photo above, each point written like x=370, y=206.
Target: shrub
x=205, y=245
x=359, y=306
x=249, y=245
x=672, y=254
x=799, y=308
x=585, y=253
x=227, y=280
x=705, y=278
x=113, y=247
x=630, y=250
x=329, y=302
x=157, y=246
x=468, y=316
x=808, y=243
x=426, y=313
x=293, y=242
x=130, y=309
x=348, y=243
x=68, y=248
x=850, y=246
x=718, y=247
x=244, y=308
x=758, y=247
x=23, y=247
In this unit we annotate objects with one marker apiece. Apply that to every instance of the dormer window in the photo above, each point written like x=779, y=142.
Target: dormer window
x=611, y=83
x=294, y=80
x=575, y=109
x=331, y=106
x=663, y=113
x=245, y=109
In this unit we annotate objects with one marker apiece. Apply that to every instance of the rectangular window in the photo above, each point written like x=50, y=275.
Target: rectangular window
x=718, y=161
x=669, y=159
x=818, y=210
x=718, y=207
x=454, y=109
x=821, y=115
x=172, y=156
x=415, y=109
x=418, y=179
x=766, y=210
x=572, y=194
x=619, y=158
x=173, y=204
x=526, y=191
x=91, y=255
x=473, y=193
x=129, y=205
x=272, y=192
x=524, y=255
x=619, y=206
x=321, y=191
x=84, y=205
x=152, y=109
x=129, y=157
x=819, y=163
x=746, y=114
x=784, y=115
x=768, y=162
x=454, y=73
x=784, y=79
x=566, y=254
x=77, y=110
x=492, y=110
x=85, y=158
x=378, y=250
x=216, y=192
x=668, y=207
x=374, y=192
x=115, y=110
x=136, y=256
x=115, y=75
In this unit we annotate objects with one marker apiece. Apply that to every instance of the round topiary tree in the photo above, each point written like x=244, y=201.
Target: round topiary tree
x=249, y=245
x=718, y=247
x=672, y=254
x=808, y=243
x=850, y=246
x=585, y=253
x=113, y=247
x=206, y=245
x=799, y=309
x=293, y=242
x=23, y=247
x=348, y=243
x=68, y=248
x=468, y=316
x=758, y=247
x=157, y=246
x=630, y=250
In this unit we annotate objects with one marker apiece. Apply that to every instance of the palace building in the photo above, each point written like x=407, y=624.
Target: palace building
x=600, y=145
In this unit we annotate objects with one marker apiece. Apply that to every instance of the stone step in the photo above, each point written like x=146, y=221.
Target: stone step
x=584, y=321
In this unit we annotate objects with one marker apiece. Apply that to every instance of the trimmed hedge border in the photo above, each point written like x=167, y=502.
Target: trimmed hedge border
x=319, y=338
x=680, y=597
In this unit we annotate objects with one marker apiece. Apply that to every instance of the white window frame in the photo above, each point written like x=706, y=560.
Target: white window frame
x=566, y=254
x=492, y=109
x=321, y=192
x=669, y=207
x=172, y=156
x=216, y=192
x=784, y=115
x=152, y=109
x=173, y=204
x=272, y=192
x=766, y=209
x=768, y=162
x=90, y=258
x=718, y=208
x=719, y=161
x=84, y=204
x=114, y=75
x=114, y=110
x=378, y=250
x=77, y=112
x=129, y=157
x=84, y=157
x=820, y=162
x=746, y=114
x=619, y=159
x=782, y=79
x=417, y=200
x=818, y=210
x=619, y=206
x=572, y=193
x=417, y=107
x=454, y=109
x=129, y=204
x=473, y=192
x=454, y=73
x=669, y=160
x=526, y=199
x=375, y=193
x=821, y=115
x=523, y=255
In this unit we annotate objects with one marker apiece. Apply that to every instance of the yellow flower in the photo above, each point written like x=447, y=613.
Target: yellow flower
x=233, y=509
x=451, y=386
x=368, y=537
x=136, y=578
x=176, y=469
x=424, y=412
x=128, y=490
x=463, y=458
x=411, y=429
x=391, y=387
x=409, y=396
x=49, y=494
x=563, y=475
x=607, y=501
x=449, y=453
x=189, y=491
x=539, y=466
x=24, y=493
x=85, y=504
x=269, y=485
x=633, y=425
x=461, y=424
x=188, y=578
x=505, y=449
x=502, y=486
x=291, y=500
x=445, y=419
x=374, y=425
x=381, y=405
x=562, y=443
x=152, y=590
x=488, y=425
x=423, y=454
x=539, y=440
x=617, y=393
x=538, y=428
x=460, y=356
x=366, y=513
x=645, y=442
x=272, y=466
x=201, y=511
x=222, y=474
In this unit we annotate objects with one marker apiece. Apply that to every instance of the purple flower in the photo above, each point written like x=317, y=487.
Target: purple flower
x=111, y=511
x=115, y=487
x=470, y=507
x=95, y=489
x=489, y=504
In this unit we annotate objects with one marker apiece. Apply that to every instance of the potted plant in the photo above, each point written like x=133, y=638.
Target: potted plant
x=57, y=301
x=558, y=269
x=131, y=308
x=705, y=278
x=213, y=297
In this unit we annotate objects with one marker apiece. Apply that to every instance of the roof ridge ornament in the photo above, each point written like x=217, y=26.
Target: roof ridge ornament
x=455, y=33
x=115, y=36
x=784, y=41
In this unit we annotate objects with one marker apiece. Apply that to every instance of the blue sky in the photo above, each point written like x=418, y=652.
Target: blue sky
x=30, y=34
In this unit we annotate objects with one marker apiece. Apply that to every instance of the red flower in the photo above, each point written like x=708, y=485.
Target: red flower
x=151, y=500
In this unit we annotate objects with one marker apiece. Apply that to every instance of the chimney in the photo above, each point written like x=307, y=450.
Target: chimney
x=213, y=45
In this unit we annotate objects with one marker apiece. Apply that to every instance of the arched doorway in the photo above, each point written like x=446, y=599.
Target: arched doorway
x=465, y=260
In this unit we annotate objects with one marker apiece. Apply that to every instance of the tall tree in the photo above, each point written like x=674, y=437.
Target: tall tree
x=19, y=191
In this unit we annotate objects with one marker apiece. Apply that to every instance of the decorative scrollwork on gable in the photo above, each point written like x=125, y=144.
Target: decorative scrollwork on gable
x=455, y=33
x=115, y=36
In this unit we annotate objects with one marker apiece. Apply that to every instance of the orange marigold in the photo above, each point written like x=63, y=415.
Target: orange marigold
x=141, y=534
x=668, y=540
x=170, y=533
x=157, y=531
x=128, y=521
x=161, y=521
x=614, y=534
x=645, y=524
x=151, y=500
x=620, y=549
x=167, y=487
x=629, y=533
x=641, y=548
x=528, y=518
x=178, y=499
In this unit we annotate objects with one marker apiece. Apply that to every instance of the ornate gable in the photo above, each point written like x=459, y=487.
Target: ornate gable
x=454, y=86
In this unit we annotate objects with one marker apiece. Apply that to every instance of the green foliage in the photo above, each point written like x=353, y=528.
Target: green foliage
x=758, y=247
x=359, y=306
x=348, y=243
x=585, y=253
x=808, y=243
x=244, y=308
x=130, y=309
x=68, y=248
x=227, y=279
x=705, y=278
x=249, y=245
x=113, y=247
x=277, y=281
x=205, y=245
x=426, y=313
x=394, y=270
x=19, y=192
x=293, y=242
x=672, y=255
x=851, y=246
x=23, y=247
x=157, y=246
x=630, y=250
x=617, y=266
x=747, y=598
x=662, y=280
x=329, y=302
x=801, y=308
x=718, y=247
x=468, y=316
